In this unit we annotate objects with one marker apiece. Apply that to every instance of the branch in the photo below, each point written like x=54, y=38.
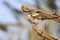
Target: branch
x=43, y=33
x=43, y=14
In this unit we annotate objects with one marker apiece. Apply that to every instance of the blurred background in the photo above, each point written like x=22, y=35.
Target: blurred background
x=15, y=26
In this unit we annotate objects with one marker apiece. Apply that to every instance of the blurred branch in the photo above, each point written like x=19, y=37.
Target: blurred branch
x=3, y=27
x=52, y=4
